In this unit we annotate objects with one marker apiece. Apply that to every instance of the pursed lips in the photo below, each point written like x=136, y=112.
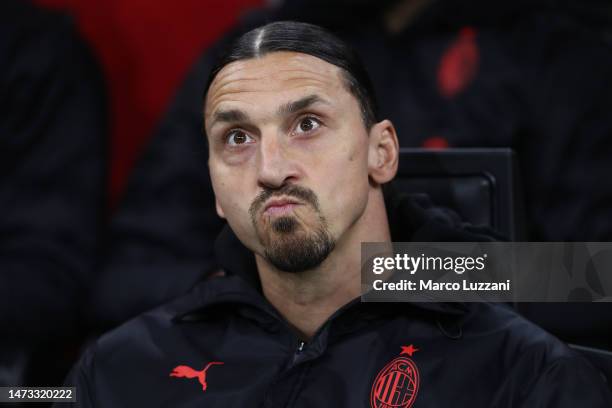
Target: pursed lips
x=280, y=206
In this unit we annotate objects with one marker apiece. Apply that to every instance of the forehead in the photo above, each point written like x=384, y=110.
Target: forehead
x=274, y=77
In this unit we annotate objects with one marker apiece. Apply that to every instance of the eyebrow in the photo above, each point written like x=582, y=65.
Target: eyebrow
x=236, y=115
x=303, y=103
x=230, y=116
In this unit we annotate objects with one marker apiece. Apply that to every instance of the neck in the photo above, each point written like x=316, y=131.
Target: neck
x=307, y=299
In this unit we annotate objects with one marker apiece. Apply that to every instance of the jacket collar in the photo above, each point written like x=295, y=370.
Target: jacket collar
x=408, y=219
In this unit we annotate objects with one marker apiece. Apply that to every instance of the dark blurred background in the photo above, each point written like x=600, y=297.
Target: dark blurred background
x=146, y=48
x=107, y=209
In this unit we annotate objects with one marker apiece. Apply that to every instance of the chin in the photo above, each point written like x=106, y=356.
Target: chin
x=299, y=251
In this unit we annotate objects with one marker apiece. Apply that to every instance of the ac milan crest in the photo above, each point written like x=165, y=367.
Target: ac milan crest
x=397, y=384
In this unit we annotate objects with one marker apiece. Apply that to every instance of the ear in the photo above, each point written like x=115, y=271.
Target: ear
x=220, y=212
x=383, y=152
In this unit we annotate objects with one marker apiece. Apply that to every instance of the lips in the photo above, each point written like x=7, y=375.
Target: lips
x=280, y=206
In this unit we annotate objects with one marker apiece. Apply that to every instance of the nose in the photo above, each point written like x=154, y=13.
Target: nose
x=276, y=166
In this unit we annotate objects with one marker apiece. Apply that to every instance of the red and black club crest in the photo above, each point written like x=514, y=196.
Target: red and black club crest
x=397, y=384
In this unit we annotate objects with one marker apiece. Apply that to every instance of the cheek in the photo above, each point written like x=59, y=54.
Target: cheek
x=348, y=185
x=230, y=192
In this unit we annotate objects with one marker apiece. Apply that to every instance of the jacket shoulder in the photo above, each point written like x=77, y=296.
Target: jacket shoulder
x=547, y=370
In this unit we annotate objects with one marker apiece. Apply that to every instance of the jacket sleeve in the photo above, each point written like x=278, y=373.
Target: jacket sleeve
x=569, y=382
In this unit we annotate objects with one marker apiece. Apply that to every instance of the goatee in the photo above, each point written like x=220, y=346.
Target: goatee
x=288, y=245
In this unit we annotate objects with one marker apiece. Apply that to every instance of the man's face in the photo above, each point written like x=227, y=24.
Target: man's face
x=288, y=156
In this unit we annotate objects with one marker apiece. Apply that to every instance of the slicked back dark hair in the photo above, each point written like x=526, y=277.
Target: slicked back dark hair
x=306, y=39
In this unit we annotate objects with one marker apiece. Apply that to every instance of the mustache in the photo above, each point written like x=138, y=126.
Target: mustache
x=289, y=190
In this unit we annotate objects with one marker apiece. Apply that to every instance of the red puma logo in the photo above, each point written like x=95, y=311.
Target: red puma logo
x=188, y=372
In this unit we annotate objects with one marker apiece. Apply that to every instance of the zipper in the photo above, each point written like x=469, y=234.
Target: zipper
x=298, y=350
x=301, y=344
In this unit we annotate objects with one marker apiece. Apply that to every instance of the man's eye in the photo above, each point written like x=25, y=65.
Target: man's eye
x=307, y=124
x=238, y=137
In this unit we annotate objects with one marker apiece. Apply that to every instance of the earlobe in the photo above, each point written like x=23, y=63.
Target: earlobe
x=220, y=212
x=383, y=152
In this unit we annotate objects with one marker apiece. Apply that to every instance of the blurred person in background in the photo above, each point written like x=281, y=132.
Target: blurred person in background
x=53, y=139
x=534, y=76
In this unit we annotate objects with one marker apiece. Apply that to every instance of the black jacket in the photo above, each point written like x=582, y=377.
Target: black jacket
x=365, y=355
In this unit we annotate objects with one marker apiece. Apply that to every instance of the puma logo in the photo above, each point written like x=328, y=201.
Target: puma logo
x=188, y=372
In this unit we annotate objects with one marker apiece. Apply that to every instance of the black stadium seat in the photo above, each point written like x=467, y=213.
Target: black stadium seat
x=483, y=187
